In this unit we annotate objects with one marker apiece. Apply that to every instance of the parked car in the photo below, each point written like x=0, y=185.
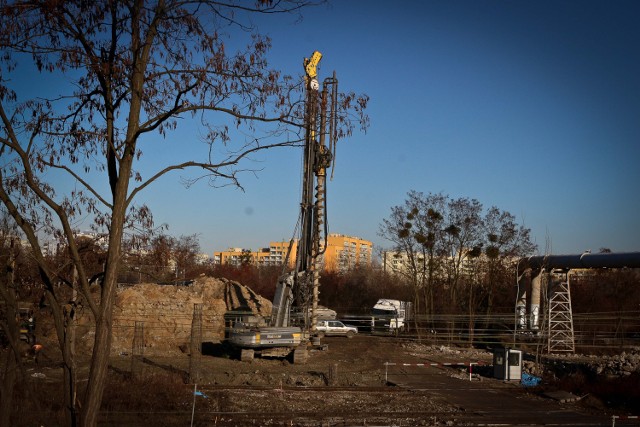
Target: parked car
x=335, y=327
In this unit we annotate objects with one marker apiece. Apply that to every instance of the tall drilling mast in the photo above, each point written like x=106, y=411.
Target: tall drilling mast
x=299, y=288
x=320, y=129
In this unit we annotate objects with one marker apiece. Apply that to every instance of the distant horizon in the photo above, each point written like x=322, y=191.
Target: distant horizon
x=375, y=252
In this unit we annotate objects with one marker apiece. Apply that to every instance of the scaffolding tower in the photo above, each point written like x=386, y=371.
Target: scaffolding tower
x=561, y=335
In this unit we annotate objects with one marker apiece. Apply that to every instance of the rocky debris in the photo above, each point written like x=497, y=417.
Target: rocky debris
x=424, y=350
x=617, y=365
x=166, y=313
x=622, y=364
x=530, y=367
x=562, y=396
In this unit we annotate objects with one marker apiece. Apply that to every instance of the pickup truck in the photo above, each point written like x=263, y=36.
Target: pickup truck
x=335, y=327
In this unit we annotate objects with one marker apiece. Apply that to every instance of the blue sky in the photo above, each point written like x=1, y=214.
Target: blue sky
x=533, y=107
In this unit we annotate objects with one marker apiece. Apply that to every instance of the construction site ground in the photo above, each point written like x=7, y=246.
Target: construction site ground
x=368, y=380
x=364, y=381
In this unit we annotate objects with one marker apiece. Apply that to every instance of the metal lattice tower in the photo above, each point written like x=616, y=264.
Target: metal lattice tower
x=561, y=335
x=196, y=343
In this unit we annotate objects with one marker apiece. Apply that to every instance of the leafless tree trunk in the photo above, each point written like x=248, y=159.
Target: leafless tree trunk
x=138, y=68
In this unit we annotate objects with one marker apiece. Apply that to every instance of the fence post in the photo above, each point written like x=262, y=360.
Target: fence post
x=193, y=407
x=386, y=371
x=333, y=374
x=196, y=343
x=137, y=350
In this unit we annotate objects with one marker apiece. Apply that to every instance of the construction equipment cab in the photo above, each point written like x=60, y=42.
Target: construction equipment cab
x=27, y=324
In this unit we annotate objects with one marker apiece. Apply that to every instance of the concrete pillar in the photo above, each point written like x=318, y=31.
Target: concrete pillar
x=524, y=282
x=536, y=282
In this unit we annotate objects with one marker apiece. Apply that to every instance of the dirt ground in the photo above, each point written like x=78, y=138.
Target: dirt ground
x=342, y=383
x=364, y=381
x=338, y=361
x=345, y=382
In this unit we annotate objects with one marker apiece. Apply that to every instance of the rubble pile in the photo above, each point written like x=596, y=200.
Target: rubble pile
x=424, y=350
x=530, y=367
x=622, y=364
x=163, y=314
x=619, y=365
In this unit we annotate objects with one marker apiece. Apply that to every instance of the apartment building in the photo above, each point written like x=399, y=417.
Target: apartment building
x=346, y=252
x=343, y=253
x=398, y=262
x=275, y=254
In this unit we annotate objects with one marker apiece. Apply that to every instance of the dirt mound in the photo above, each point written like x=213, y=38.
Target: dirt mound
x=164, y=313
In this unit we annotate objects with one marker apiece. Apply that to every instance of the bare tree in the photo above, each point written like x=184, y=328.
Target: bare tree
x=127, y=74
x=489, y=265
x=154, y=263
x=168, y=258
x=185, y=253
x=463, y=225
x=449, y=244
x=416, y=230
x=407, y=259
x=505, y=242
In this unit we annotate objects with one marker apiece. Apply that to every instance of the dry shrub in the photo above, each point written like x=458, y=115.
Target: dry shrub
x=164, y=391
x=618, y=393
x=621, y=392
x=50, y=404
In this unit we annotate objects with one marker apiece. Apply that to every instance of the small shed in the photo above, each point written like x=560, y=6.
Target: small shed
x=507, y=364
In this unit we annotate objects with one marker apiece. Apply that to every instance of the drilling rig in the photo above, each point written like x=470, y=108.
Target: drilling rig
x=297, y=291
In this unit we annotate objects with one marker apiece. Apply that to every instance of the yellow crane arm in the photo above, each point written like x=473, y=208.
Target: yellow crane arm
x=310, y=65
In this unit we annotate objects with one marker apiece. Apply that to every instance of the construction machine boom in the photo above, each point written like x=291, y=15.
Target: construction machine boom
x=298, y=289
